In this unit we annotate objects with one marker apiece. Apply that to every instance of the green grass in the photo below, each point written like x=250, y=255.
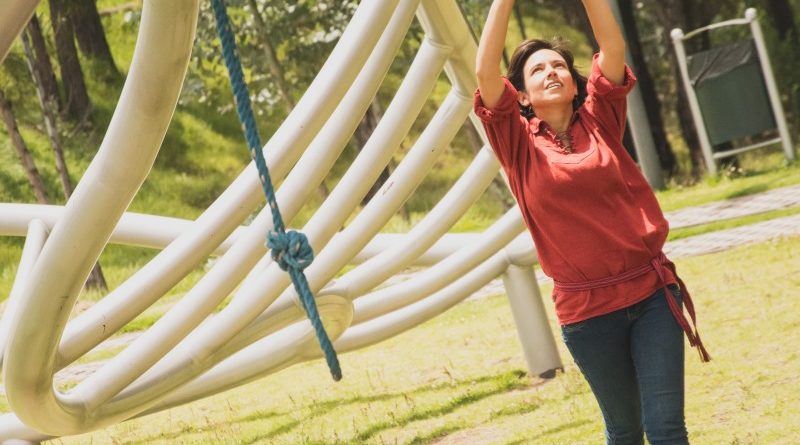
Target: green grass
x=459, y=379
x=762, y=173
x=685, y=232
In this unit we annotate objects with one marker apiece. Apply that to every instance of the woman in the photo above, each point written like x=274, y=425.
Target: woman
x=597, y=226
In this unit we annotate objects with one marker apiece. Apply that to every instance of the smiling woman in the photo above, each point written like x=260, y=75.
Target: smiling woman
x=598, y=229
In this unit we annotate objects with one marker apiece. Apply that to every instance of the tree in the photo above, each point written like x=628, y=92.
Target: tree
x=781, y=14
x=24, y=154
x=271, y=59
x=49, y=111
x=783, y=40
x=90, y=34
x=77, y=104
x=646, y=85
x=41, y=62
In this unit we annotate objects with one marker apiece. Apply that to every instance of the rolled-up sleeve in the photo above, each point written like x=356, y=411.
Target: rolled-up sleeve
x=606, y=101
x=505, y=127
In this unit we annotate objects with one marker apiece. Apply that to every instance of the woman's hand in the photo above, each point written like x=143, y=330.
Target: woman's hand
x=609, y=38
x=490, y=52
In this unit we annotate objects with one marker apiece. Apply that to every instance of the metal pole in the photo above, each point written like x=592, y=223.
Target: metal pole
x=769, y=79
x=694, y=105
x=640, y=125
x=538, y=343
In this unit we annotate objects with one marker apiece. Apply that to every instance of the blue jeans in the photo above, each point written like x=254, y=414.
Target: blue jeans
x=633, y=361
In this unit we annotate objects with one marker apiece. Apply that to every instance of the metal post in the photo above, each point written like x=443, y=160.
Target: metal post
x=640, y=125
x=694, y=105
x=538, y=343
x=769, y=79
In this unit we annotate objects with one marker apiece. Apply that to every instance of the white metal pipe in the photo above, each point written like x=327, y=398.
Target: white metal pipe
x=34, y=242
x=744, y=21
x=769, y=79
x=396, y=322
x=309, y=115
x=109, y=184
x=726, y=153
x=398, y=116
x=394, y=192
x=12, y=429
x=405, y=178
x=279, y=351
x=14, y=15
x=334, y=257
x=133, y=229
x=383, y=206
x=150, y=347
x=444, y=24
x=385, y=139
x=431, y=280
x=450, y=208
x=638, y=123
x=694, y=105
x=538, y=343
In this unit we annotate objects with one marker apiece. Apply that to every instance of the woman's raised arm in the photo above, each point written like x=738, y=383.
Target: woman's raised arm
x=490, y=52
x=609, y=38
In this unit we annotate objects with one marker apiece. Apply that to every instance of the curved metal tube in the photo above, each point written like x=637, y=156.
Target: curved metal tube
x=14, y=15
x=121, y=165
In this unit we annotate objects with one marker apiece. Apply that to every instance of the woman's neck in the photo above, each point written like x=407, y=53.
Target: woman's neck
x=557, y=117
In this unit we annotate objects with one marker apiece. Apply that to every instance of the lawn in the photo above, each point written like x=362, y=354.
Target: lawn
x=460, y=378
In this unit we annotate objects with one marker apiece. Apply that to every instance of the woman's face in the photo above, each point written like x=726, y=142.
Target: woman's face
x=548, y=81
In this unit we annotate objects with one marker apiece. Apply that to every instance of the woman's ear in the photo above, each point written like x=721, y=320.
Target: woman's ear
x=522, y=98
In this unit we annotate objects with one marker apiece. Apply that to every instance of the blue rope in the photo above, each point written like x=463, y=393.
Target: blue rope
x=290, y=250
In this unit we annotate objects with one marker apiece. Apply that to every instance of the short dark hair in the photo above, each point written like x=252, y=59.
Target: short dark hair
x=516, y=68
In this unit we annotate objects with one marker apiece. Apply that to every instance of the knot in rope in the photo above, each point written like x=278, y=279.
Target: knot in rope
x=290, y=249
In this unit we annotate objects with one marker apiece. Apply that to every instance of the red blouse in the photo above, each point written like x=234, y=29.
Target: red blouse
x=591, y=213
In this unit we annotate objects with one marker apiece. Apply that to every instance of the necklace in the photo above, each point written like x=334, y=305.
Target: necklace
x=564, y=139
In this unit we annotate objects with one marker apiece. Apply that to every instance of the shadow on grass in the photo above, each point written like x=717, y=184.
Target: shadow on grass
x=757, y=188
x=500, y=383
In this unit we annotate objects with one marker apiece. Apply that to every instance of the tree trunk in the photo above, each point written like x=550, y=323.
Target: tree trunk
x=77, y=105
x=34, y=178
x=651, y=101
x=781, y=14
x=42, y=65
x=90, y=34
x=520, y=21
x=49, y=113
x=361, y=136
x=96, y=279
x=688, y=16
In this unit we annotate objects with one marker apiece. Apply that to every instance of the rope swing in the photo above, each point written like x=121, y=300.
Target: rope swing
x=291, y=249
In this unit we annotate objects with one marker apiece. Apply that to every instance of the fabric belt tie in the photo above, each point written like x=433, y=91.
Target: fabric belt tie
x=659, y=264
